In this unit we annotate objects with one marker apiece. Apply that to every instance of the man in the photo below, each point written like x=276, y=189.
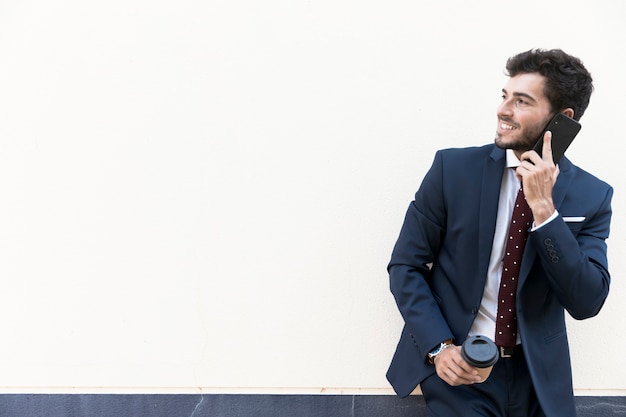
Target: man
x=446, y=268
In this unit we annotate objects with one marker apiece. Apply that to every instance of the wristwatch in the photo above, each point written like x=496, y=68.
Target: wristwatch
x=442, y=346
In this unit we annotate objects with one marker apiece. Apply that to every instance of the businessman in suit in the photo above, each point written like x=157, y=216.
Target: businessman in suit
x=446, y=267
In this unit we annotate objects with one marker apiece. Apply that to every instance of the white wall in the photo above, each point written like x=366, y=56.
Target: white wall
x=204, y=195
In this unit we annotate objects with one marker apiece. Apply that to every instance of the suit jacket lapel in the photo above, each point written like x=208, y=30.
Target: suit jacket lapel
x=490, y=194
x=562, y=182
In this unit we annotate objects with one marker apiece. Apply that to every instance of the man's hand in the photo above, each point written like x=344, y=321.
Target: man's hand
x=451, y=367
x=538, y=176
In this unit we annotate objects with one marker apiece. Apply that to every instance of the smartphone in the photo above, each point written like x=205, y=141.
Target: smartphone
x=564, y=129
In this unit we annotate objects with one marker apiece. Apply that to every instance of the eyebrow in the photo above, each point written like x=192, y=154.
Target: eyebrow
x=515, y=94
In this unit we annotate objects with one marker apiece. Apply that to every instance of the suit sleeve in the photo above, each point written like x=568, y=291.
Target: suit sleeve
x=412, y=259
x=575, y=260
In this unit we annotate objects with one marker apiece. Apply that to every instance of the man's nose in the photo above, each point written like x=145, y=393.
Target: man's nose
x=505, y=109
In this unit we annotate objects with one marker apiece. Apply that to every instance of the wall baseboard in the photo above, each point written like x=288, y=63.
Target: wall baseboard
x=243, y=405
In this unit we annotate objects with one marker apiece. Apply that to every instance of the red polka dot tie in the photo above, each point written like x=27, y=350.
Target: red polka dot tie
x=506, y=321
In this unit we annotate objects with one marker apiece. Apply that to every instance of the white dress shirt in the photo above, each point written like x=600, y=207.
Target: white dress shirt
x=485, y=322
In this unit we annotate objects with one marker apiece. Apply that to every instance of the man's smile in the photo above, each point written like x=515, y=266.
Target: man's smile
x=506, y=126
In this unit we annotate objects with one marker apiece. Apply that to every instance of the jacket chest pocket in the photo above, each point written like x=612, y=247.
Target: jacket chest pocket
x=574, y=227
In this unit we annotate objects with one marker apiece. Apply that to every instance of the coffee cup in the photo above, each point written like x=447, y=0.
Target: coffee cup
x=481, y=353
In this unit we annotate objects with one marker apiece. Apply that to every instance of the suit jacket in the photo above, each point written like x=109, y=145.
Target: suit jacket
x=439, y=265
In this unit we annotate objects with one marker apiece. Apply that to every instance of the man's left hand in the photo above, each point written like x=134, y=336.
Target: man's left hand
x=538, y=175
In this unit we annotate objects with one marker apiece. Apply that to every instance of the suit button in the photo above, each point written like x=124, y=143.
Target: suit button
x=547, y=242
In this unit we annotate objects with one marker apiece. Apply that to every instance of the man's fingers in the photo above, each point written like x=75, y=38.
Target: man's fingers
x=453, y=369
x=546, y=152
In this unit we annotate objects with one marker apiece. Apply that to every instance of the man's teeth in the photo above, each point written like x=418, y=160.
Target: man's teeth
x=506, y=126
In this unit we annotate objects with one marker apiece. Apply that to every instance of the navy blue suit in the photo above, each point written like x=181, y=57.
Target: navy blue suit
x=439, y=265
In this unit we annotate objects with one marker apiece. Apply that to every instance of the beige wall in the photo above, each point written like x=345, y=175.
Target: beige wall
x=204, y=195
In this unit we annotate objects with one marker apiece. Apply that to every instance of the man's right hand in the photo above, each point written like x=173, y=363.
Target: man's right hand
x=452, y=368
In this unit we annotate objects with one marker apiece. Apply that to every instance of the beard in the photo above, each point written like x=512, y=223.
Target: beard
x=523, y=140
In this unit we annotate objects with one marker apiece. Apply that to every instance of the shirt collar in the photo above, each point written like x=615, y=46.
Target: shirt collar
x=511, y=159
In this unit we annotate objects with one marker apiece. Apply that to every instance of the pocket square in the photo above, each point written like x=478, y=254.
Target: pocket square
x=573, y=219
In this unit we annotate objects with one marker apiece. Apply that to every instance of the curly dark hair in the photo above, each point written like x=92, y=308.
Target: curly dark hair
x=568, y=83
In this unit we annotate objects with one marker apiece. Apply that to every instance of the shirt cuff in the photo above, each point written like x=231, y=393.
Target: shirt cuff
x=554, y=216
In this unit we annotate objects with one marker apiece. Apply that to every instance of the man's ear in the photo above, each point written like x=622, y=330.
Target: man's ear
x=569, y=112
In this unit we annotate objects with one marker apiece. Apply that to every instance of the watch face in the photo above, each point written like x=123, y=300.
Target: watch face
x=433, y=354
x=436, y=351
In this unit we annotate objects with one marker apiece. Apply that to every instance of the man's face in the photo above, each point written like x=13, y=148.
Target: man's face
x=523, y=113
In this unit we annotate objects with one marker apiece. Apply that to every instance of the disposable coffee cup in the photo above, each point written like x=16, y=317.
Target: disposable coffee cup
x=480, y=352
